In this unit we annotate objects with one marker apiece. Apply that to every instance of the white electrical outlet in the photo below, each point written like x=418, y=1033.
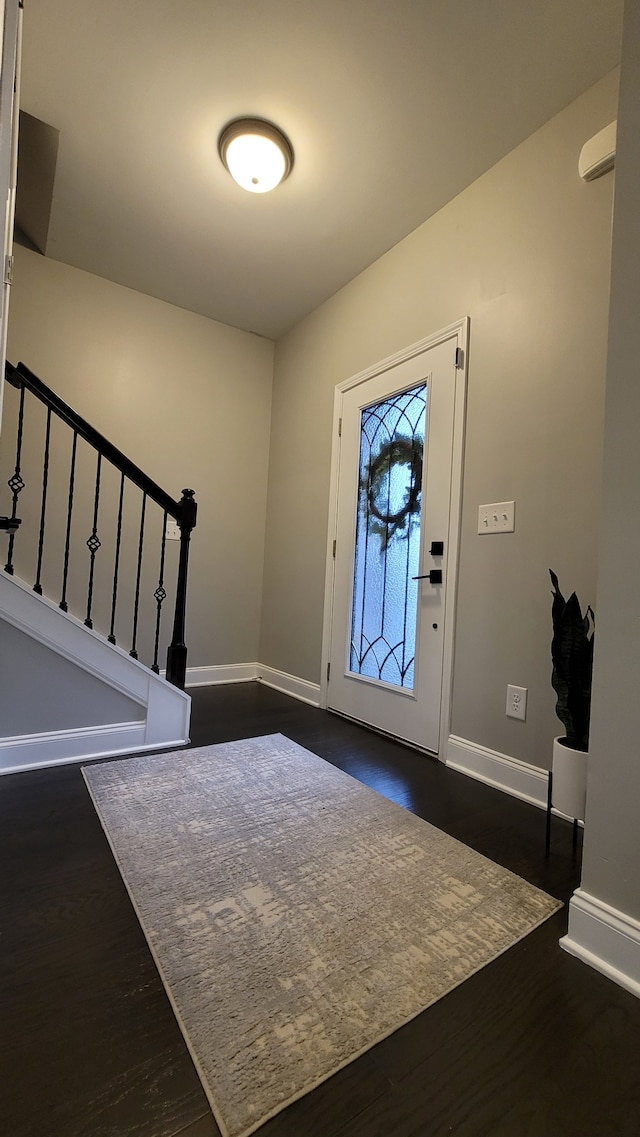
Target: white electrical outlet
x=517, y=702
x=497, y=518
x=172, y=531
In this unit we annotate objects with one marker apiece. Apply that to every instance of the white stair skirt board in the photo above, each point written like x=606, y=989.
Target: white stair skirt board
x=164, y=710
x=605, y=938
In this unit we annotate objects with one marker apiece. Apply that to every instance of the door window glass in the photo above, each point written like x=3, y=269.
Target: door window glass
x=387, y=553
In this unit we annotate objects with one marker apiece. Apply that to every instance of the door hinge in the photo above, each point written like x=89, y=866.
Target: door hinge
x=8, y=270
x=339, y=428
x=459, y=358
x=334, y=550
x=328, y=671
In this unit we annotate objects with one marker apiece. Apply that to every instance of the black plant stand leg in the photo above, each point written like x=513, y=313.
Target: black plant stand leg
x=548, y=833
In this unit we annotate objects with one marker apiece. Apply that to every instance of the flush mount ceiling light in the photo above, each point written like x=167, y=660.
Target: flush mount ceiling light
x=257, y=155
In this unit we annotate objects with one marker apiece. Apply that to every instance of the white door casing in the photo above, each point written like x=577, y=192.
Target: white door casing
x=10, y=48
x=421, y=716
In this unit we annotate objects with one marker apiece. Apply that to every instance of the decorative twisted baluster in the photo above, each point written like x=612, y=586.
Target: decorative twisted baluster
x=160, y=595
x=136, y=603
x=16, y=483
x=94, y=542
x=72, y=478
x=116, y=565
x=43, y=508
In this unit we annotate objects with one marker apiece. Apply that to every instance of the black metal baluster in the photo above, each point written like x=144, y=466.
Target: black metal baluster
x=136, y=604
x=94, y=542
x=160, y=595
x=184, y=511
x=72, y=478
x=177, y=651
x=45, y=481
x=16, y=483
x=116, y=567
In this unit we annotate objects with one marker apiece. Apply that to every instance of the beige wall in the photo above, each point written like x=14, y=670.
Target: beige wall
x=525, y=253
x=189, y=401
x=57, y=696
x=610, y=866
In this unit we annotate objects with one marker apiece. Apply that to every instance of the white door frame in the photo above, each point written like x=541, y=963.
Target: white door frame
x=10, y=56
x=459, y=331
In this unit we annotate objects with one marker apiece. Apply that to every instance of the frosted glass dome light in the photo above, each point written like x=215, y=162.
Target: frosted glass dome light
x=257, y=155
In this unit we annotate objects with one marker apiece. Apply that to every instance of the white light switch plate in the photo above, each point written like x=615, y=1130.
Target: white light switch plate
x=497, y=518
x=172, y=531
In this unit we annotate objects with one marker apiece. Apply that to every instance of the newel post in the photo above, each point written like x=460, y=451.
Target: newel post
x=177, y=650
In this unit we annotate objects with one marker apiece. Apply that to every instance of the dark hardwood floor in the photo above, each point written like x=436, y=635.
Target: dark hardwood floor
x=534, y=1045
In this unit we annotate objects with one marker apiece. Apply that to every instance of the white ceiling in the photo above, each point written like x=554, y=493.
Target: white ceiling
x=392, y=106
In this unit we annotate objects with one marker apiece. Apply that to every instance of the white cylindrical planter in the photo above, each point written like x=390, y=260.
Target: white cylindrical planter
x=569, y=792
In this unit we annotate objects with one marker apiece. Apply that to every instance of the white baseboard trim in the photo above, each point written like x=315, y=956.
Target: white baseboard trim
x=57, y=747
x=290, y=685
x=508, y=774
x=529, y=783
x=605, y=938
x=245, y=672
x=224, y=673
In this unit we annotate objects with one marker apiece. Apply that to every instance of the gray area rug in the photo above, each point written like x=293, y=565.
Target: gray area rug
x=296, y=916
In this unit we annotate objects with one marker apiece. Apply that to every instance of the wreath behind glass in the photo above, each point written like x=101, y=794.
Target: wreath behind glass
x=399, y=451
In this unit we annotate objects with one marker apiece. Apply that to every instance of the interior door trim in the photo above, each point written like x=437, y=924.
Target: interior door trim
x=460, y=331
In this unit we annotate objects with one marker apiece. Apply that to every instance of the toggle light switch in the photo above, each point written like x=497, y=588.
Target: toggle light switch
x=500, y=517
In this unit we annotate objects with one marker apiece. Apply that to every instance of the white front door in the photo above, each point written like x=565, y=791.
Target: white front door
x=396, y=536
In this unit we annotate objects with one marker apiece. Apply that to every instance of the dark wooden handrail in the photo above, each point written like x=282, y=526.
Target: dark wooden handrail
x=20, y=376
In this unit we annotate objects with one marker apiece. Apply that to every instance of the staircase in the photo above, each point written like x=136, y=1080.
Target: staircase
x=89, y=572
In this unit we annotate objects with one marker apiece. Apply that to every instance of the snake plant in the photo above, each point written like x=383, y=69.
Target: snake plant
x=572, y=659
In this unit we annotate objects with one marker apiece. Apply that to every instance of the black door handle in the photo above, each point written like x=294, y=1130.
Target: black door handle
x=435, y=576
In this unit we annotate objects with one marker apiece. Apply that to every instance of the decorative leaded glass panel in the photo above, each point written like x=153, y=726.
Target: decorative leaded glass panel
x=384, y=615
